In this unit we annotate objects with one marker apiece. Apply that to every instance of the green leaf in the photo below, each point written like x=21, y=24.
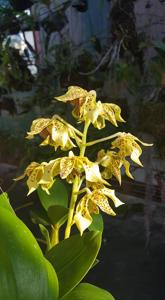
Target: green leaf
x=45, y=234
x=86, y=291
x=5, y=203
x=58, y=214
x=25, y=274
x=73, y=258
x=58, y=195
x=97, y=223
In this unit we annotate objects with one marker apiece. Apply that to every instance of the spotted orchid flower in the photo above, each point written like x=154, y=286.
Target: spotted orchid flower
x=75, y=165
x=54, y=133
x=87, y=108
x=84, y=102
x=112, y=163
x=128, y=146
x=91, y=203
x=107, y=111
x=35, y=172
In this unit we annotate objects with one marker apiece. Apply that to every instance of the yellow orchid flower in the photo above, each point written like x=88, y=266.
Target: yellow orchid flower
x=51, y=170
x=112, y=163
x=74, y=165
x=91, y=203
x=76, y=96
x=86, y=107
x=128, y=146
x=34, y=172
x=83, y=101
x=54, y=133
x=110, y=112
x=41, y=174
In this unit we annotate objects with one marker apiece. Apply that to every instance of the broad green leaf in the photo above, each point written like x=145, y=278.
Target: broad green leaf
x=45, y=234
x=97, y=223
x=86, y=291
x=5, y=203
x=25, y=274
x=58, y=195
x=58, y=214
x=73, y=258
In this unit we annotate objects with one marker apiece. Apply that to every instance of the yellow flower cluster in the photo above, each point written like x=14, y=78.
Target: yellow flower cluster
x=75, y=169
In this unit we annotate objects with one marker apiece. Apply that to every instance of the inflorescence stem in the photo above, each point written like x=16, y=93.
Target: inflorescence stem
x=76, y=184
x=84, y=139
x=72, y=206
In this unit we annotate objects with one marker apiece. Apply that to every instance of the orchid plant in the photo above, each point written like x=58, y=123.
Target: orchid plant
x=91, y=189
x=86, y=177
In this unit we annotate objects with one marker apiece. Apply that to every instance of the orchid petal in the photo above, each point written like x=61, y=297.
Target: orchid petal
x=66, y=166
x=102, y=202
x=111, y=194
x=74, y=92
x=127, y=167
x=82, y=221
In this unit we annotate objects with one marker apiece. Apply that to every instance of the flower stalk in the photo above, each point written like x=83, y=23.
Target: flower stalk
x=103, y=139
x=76, y=183
x=84, y=139
x=72, y=206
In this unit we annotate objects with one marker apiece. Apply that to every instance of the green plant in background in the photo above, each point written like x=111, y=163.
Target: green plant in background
x=14, y=72
x=58, y=274
x=154, y=105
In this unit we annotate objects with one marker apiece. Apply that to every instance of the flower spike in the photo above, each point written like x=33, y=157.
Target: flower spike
x=91, y=192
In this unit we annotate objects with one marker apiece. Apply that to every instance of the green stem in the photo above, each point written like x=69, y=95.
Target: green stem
x=76, y=184
x=84, y=139
x=103, y=139
x=54, y=235
x=72, y=206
